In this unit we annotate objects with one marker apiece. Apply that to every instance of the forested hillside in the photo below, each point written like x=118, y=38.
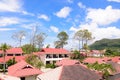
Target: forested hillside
x=106, y=44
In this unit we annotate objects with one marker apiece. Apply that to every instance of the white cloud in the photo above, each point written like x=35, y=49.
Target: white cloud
x=73, y=29
x=10, y=6
x=114, y=0
x=54, y=29
x=81, y=5
x=64, y=12
x=99, y=32
x=43, y=16
x=7, y=29
x=13, y=6
x=27, y=13
x=4, y=21
x=103, y=16
x=95, y=19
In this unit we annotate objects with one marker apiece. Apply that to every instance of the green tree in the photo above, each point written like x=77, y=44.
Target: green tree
x=4, y=48
x=34, y=61
x=76, y=55
x=63, y=37
x=11, y=62
x=104, y=68
x=87, y=36
x=79, y=36
x=29, y=48
x=111, y=52
x=83, y=36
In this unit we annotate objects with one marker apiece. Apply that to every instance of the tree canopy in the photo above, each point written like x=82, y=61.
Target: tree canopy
x=83, y=36
x=29, y=48
x=62, y=40
x=106, y=44
x=34, y=61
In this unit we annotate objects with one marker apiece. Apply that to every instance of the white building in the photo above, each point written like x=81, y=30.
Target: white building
x=51, y=55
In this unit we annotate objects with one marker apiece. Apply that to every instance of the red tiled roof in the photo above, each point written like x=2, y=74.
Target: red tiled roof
x=1, y=51
x=54, y=51
x=13, y=51
x=93, y=60
x=102, y=60
x=38, y=53
x=66, y=62
x=17, y=58
x=23, y=69
x=70, y=72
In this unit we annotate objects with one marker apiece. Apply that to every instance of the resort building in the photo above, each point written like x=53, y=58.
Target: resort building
x=96, y=53
x=12, y=52
x=51, y=55
x=16, y=53
x=24, y=71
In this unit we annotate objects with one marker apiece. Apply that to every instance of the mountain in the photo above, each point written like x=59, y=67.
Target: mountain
x=106, y=44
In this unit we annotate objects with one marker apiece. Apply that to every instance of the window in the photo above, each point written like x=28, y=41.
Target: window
x=66, y=55
x=17, y=54
x=55, y=56
x=22, y=78
x=9, y=54
x=48, y=56
x=47, y=62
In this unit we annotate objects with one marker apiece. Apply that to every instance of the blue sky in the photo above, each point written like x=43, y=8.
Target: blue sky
x=101, y=17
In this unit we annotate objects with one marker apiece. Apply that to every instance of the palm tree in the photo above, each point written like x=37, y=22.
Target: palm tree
x=4, y=48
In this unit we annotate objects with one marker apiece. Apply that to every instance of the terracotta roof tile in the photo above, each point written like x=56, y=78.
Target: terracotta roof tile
x=102, y=60
x=66, y=62
x=17, y=58
x=75, y=72
x=22, y=69
x=13, y=51
x=70, y=72
x=54, y=51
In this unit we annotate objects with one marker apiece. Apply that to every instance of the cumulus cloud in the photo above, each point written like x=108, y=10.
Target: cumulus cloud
x=98, y=33
x=81, y=5
x=95, y=19
x=13, y=6
x=43, y=16
x=101, y=32
x=10, y=6
x=64, y=12
x=114, y=1
x=103, y=16
x=54, y=29
x=73, y=29
x=4, y=21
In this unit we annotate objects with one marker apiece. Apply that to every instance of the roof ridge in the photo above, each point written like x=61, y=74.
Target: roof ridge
x=61, y=72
